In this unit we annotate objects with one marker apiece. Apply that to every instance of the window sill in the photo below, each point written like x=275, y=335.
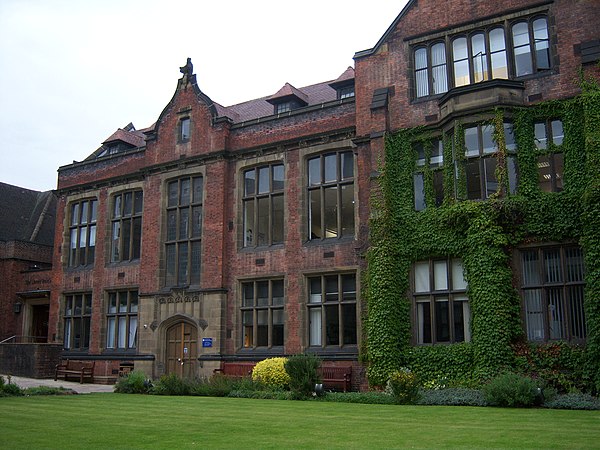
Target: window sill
x=329, y=241
x=262, y=248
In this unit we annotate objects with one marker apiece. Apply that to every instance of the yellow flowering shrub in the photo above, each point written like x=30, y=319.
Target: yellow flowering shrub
x=271, y=372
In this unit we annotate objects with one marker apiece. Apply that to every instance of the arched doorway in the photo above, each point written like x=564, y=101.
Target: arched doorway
x=182, y=349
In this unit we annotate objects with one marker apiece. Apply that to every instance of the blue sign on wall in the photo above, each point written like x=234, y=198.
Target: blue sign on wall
x=206, y=342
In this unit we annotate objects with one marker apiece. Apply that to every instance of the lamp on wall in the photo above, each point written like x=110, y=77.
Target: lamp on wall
x=17, y=307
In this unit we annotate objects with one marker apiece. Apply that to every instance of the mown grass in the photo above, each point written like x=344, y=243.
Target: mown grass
x=116, y=421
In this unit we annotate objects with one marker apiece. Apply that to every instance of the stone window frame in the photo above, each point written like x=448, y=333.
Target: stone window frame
x=79, y=227
x=129, y=316
x=250, y=314
x=175, y=241
x=250, y=241
x=317, y=338
x=321, y=151
x=561, y=298
x=135, y=220
x=74, y=319
x=426, y=325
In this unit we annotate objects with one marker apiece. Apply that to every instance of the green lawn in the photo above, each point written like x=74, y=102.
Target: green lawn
x=115, y=421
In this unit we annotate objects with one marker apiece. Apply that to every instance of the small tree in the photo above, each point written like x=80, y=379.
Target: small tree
x=304, y=374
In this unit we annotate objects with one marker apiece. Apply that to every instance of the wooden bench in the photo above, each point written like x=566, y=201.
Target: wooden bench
x=336, y=377
x=235, y=369
x=84, y=370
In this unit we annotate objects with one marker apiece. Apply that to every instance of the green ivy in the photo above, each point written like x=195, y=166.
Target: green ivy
x=483, y=234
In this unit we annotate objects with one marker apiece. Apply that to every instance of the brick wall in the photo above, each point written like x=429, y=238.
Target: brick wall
x=29, y=360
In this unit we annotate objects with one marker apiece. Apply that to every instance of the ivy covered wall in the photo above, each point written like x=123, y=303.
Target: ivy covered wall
x=484, y=234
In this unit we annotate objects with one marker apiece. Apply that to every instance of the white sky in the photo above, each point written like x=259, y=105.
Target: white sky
x=73, y=71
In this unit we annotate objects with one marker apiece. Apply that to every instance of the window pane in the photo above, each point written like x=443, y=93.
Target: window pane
x=557, y=132
x=473, y=180
x=171, y=225
x=248, y=294
x=574, y=264
x=442, y=320
x=544, y=173
x=458, y=279
x=170, y=257
x=331, y=288
x=196, y=221
x=461, y=63
x=552, y=266
x=529, y=268
x=277, y=230
x=117, y=206
x=315, y=215
x=420, y=152
x=440, y=275
x=332, y=325
x=315, y=326
x=438, y=69
x=122, y=332
x=262, y=329
x=184, y=196
x=460, y=315
x=278, y=177
x=419, y=189
x=173, y=197
x=75, y=214
x=421, y=77
x=126, y=238
x=84, y=213
x=509, y=137
x=556, y=314
x=195, y=263
x=487, y=134
x=479, y=58
x=541, y=138
x=112, y=303
x=127, y=204
x=347, y=165
x=422, y=277
x=437, y=153
x=330, y=211
x=522, y=50
x=498, y=53
x=138, y=202
x=110, y=332
x=423, y=321
x=132, y=332
x=116, y=241
x=122, y=302
x=277, y=338
x=184, y=224
x=263, y=180
x=471, y=142
x=248, y=329
x=262, y=236
x=559, y=164
x=249, y=182
x=349, y=327
x=133, y=301
x=262, y=293
x=347, y=209
x=330, y=168
x=576, y=312
x=137, y=237
x=277, y=293
x=534, y=314
x=542, y=45
x=182, y=264
x=248, y=222
x=314, y=171
x=198, y=186
x=421, y=58
x=315, y=290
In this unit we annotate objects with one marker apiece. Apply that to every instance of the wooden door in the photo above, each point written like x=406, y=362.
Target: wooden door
x=39, y=322
x=182, y=350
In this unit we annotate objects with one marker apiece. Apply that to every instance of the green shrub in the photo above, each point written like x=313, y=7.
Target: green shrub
x=133, y=383
x=46, y=390
x=266, y=394
x=404, y=386
x=452, y=397
x=303, y=371
x=272, y=373
x=573, y=401
x=9, y=389
x=369, y=397
x=513, y=390
x=173, y=385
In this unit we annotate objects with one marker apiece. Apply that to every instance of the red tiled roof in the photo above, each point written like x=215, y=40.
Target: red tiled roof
x=288, y=91
x=346, y=76
x=135, y=138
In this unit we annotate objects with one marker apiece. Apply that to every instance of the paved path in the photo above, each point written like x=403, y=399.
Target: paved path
x=85, y=388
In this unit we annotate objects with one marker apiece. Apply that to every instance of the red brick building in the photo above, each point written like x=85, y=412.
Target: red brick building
x=236, y=233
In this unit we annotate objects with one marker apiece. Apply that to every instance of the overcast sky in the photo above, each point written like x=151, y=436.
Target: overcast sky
x=72, y=72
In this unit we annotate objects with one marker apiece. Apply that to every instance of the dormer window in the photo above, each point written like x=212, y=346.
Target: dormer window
x=345, y=92
x=184, y=129
x=281, y=108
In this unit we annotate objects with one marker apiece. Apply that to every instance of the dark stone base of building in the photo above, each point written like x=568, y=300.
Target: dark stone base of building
x=29, y=360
